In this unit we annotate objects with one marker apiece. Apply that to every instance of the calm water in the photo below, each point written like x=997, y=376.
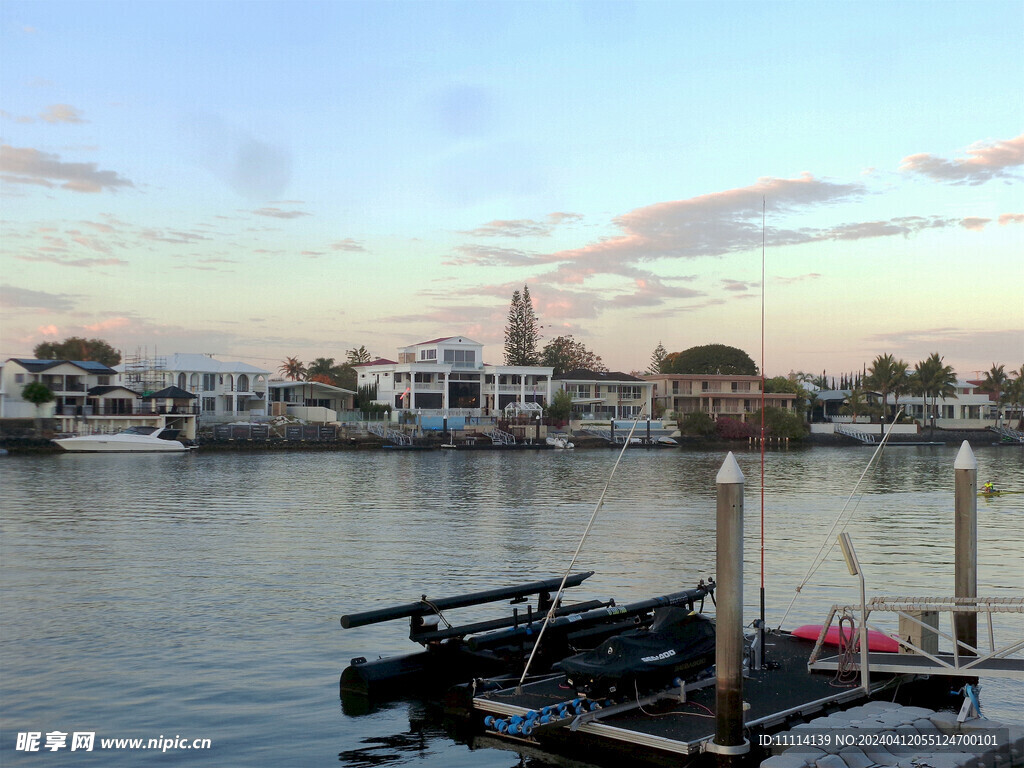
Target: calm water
x=199, y=596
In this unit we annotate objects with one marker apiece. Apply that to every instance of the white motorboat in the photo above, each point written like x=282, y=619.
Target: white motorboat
x=132, y=440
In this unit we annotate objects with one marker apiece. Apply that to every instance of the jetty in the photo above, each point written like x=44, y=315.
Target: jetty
x=766, y=683
x=769, y=693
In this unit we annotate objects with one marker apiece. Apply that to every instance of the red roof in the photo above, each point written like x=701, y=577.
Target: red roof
x=433, y=341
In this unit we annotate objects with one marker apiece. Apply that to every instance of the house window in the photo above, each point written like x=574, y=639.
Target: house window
x=630, y=393
x=460, y=356
x=741, y=386
x=209, y=404
x=580, y=391
x=424, y=378
x=19, y=378
x=209, y=382
x=428, y=354
x=243, y=383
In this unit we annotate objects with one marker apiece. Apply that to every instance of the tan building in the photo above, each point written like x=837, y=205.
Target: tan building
x=735, y=396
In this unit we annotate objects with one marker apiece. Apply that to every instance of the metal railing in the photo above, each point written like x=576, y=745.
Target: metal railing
x=856, y=434
x=389, y=435
x=966, y=659
x=500, y=437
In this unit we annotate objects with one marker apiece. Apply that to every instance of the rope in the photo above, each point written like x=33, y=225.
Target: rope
x=820, y=558
x=436, y=610
x=561, y=587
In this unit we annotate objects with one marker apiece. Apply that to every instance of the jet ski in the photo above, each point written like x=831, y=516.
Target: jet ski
x=680, y=643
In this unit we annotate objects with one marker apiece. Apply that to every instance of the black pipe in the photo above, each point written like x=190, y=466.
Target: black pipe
x=510, y=621
x=589, y=618
x=424, y=607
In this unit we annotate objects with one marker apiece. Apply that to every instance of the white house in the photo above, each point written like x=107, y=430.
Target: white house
x=968, y=408
x=311, y=401
x=606, y=394
x=226, y=391
x=68, y=380
x=447, y=376
x=88, y=399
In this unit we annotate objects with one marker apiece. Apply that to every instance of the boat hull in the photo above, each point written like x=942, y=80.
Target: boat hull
x=111, y=444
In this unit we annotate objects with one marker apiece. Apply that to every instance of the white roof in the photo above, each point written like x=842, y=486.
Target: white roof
x=200, y=363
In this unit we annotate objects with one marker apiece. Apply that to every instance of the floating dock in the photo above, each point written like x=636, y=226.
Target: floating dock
x=670, y=724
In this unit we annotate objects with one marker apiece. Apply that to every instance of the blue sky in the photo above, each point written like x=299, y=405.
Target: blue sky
x=264, y=179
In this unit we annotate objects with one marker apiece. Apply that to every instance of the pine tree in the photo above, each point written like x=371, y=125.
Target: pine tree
x=522, y=331
x=658, y=358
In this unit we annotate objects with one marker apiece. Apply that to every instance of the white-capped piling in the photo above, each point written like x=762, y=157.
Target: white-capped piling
x=729, y=743
x=965, y=532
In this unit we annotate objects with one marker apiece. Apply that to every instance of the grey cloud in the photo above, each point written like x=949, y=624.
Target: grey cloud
x=13, y=297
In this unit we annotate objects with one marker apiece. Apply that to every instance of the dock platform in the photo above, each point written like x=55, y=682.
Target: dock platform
x=663, y=730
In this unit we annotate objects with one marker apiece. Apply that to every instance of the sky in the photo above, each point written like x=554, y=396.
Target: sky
x=261, y=180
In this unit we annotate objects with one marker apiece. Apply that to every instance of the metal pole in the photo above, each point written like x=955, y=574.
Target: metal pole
x=966, y=544
x=729, y=743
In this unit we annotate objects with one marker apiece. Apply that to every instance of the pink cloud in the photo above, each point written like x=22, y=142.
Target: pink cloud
x=30, y=166
x=1011, y=218
x=986, y=160
x=61, y=113
x=974, y=223
x=113, y=323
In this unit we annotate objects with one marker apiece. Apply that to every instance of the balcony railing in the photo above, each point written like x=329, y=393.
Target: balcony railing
x=110, y=409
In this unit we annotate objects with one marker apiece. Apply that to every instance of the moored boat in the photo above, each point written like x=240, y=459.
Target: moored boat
x=137, y=439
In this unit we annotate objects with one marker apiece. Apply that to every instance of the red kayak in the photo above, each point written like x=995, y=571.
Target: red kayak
x=877, y=641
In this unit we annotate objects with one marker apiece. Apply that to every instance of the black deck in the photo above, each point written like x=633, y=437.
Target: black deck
x=777, y=697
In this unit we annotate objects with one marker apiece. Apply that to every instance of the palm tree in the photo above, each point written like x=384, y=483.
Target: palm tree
x=995, y=382
x=322, y=369
x=887, y=375
x=1015, y=395
x=855, y=404
x=935, y=379
x=292, y=369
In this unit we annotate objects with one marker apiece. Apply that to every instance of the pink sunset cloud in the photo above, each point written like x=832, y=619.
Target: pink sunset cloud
x=985, y=161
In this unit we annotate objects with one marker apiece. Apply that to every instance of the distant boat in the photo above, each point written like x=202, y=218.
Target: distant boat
x=559, y=442
x=132, y=440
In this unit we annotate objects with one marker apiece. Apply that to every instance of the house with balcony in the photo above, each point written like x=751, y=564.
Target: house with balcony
x=89, y=399
x=224, y=391
x=606, y=395
x=311, y=401
x=447, y=376
x=733, y=396
x=967, y=408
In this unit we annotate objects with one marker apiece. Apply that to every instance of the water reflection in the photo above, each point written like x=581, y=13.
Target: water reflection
x=202, y=592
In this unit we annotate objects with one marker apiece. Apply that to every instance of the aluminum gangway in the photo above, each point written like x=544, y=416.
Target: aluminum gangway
x=856, y=434
x=500, y=437
x=389, y=435
x=964, y=661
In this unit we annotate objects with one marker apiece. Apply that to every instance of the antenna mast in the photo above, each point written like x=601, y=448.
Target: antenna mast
x=761, y=627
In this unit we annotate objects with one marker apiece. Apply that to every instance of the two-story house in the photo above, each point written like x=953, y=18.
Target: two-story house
x=89, y=398
x=448, y=376
x=225, y=391
x=606, y=394
x=735, y=396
